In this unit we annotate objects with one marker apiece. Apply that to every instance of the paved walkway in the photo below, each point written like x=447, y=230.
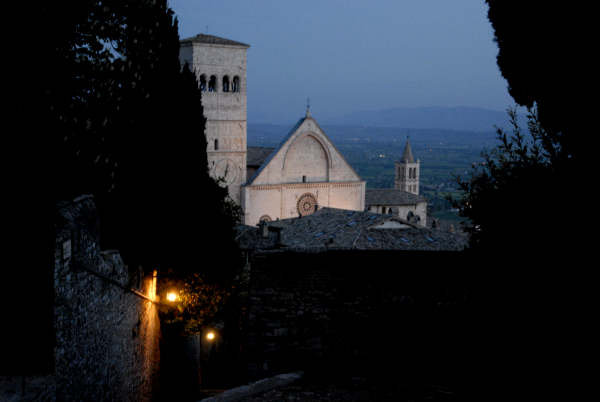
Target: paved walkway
x=313, y=393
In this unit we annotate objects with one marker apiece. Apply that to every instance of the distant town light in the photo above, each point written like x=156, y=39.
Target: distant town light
x=210, y=336
x=171, y=296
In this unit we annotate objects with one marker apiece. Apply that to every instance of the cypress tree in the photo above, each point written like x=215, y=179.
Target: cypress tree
x=104, y=107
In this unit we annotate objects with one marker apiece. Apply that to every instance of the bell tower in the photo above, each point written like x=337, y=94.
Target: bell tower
x=408, y=171
x=220, y=66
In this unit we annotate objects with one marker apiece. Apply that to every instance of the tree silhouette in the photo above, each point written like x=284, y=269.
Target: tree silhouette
x=127, y=125
x=102, y=106
x=524, y=206
x=511, y=197
x=541, y=54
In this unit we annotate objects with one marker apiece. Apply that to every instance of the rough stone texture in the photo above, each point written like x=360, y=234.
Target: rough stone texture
x=337, y=229
x=355, y=312
x=29, y=388
x=305, y=162
x=225, y=111
x=107, y=338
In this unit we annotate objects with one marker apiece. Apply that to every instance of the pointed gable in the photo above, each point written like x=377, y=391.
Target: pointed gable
x=305, y=154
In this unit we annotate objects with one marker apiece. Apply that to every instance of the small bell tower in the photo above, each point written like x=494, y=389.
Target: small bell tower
x=408, y=171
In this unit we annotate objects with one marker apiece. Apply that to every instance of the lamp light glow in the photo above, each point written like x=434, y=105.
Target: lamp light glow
x=171, y=296
x=210, y=336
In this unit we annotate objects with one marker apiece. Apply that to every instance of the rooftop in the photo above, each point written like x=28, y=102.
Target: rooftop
x=256, y=156
x=338, y=229
x=213, y=40
x=391, y=196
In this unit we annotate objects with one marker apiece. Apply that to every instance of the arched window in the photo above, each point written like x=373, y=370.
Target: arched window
x=216, y=145
x=265, y=218
x=203, y=83
x=226, y=84
x=235, y=87
x=212, y=84
x=303, y=179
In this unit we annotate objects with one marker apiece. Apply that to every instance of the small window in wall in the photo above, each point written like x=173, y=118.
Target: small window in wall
x=203, y=83
x=235, y=86
x=303, y=179
x=265, y=218
x=226, y=84
x=216, y=145
x=212, y=84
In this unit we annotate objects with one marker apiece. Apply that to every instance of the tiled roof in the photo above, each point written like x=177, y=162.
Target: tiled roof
x=256, y=156
x=213, y=40
x=391, y=196
x=330, y=228
x=272, y=154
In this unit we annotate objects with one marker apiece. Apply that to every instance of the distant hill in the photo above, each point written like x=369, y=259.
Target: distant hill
x=447, y=118
x=272, y=134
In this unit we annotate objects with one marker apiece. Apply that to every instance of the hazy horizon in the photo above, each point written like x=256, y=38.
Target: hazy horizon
x=350, y=55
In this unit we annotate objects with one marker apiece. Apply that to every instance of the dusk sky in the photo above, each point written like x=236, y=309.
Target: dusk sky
x=352, y=55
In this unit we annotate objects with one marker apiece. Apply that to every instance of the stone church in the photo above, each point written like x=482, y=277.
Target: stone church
x=304, y=173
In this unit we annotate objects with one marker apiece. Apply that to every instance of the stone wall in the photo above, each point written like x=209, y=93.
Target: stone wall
x=225, y=112
x=402, y=211
x=358, y=312
x=107, y=329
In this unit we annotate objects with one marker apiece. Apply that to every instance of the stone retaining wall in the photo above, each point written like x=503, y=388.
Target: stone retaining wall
x=107, y=338
x=357, y=312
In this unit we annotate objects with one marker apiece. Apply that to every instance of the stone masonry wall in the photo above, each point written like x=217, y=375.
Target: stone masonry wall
x=357, y=312
x=107, y=338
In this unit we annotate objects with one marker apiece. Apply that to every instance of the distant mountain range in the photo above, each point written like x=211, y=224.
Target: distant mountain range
x=449, y=118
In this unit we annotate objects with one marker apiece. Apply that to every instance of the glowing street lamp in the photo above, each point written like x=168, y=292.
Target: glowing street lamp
x=172, y=296
x=210, y=336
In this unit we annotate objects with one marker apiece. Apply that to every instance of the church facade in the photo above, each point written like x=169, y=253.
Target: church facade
x=304, y=173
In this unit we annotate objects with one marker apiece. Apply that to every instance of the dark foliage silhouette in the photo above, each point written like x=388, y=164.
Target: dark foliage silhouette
x=541, y=53
x=106, y=109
